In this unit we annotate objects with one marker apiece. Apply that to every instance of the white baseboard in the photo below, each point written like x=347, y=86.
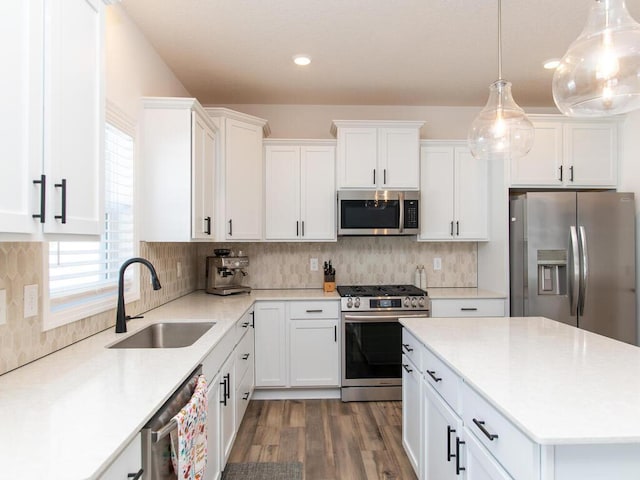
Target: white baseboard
x=294, y=393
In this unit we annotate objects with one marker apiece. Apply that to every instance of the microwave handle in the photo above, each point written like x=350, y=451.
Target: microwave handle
x=401, y=220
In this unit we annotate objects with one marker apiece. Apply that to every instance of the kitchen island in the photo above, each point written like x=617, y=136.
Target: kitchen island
x=529, y=398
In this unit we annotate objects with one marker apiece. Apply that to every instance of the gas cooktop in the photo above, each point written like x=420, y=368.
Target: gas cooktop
x=380, y=291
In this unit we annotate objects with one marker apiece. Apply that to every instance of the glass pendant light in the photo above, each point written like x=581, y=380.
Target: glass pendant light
x=600, y=73
x=501, y=128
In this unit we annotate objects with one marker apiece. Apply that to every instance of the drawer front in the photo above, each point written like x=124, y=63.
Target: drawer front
x=244, y=325
x=244, y=354
x=466, y=307
x=444, y=380
x=412, y=348
x=244, y=390
x=314, y=309
x=513, y=449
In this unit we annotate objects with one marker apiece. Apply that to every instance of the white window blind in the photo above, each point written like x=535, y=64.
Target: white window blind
x=83, y=276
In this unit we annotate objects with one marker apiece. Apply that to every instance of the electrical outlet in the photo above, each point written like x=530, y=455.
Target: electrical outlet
x=437, y=263
x=3, y=307
x=30, y=300
x=313, y=264
x=179, y=269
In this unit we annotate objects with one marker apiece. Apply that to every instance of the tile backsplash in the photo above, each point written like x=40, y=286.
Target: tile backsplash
x=357, y=260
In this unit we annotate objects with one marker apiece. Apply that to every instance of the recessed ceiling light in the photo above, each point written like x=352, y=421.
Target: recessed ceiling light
x=301, y=60
x=551, y=64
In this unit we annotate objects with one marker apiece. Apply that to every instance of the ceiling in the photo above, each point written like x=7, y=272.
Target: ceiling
x=365, y=52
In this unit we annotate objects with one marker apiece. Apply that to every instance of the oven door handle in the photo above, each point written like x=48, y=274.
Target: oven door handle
x=382, y=318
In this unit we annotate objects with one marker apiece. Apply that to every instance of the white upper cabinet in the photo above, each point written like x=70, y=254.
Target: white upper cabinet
x=240, y=182
x=53, y=125
x=453, y=193
x=177, y=157
x=381, y=155
x=569, y=153
x=300, y=201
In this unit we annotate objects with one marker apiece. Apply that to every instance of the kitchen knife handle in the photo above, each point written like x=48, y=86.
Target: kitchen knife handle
x=43, y=187
x=63, y=214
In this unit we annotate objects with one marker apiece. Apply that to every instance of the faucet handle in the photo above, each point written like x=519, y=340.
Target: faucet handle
x=128, y=317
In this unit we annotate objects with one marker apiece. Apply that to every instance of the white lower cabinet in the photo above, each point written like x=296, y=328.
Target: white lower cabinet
x=480, y=465
x=227, y=408
x=412, y=409
x=297, y=344
x=128, y=464
x=213, y=470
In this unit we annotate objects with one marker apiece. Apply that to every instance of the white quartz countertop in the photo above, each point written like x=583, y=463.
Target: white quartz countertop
x=462, y=293
x=68, y=415
x=557, y=383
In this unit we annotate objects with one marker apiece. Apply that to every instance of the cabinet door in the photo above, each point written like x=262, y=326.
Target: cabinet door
x=227, y=409
x=271, y=341
x=412, y=409
x=21, y=120
x=202, y=178
x=542, y=166
x=591, y=155
x=443, y=434
x=398, y=158
x=479, y=463
x=436, y=193
x=318, y=193
x=74, y=115
x=471, y=196
x=127, y=464
x=282, y=193
x=243, y=181
x=213, y=469
x=314, y=353
x=357, y=157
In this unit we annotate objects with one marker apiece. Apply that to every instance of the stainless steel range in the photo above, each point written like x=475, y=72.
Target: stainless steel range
x=372, y=338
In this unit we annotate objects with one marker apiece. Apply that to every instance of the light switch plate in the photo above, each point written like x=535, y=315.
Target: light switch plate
x=30, y=300
x=437, y=263
x=3, y=307
x=313, y=264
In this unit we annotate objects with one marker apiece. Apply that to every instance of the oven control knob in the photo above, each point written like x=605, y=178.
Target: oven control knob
x=421, y=301
x=414, y=302
x=407, y=302
x=349, y=303
x=357, y=302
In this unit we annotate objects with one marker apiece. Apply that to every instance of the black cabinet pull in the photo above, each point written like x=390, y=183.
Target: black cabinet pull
x=245, y=325
x=224, y=391
x=452, y=228
x=246, y=356
x=407, y=347
x=228, y=375
x=297, y=228
x=449, y=454
x=468, y=309
x=432, y=374
x=384, y=176
x=457, y=228
x=253, y=320
x=245, y=396
x=406, y=367
x=560, y=172
x=335, y=333
x=374, y=176
x=230, y=228
x=480, y=425
x=571, y=173
x=458, y=467
x=303, y=228
x=63, y=214
x=318, y=310
x=207, y=228
x=43, y=188
x=135, y=476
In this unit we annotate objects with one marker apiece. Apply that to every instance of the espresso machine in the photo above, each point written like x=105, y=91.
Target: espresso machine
x=225, y=273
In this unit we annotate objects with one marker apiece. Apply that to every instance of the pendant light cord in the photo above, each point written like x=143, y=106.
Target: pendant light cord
x=499, y=39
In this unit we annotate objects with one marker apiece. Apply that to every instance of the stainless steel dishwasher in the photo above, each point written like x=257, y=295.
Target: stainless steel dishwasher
x=156, y=441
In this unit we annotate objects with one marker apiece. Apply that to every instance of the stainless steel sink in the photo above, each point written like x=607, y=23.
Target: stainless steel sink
x=166, y=335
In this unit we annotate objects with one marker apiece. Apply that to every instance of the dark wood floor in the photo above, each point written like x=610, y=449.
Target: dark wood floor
x=333, y=440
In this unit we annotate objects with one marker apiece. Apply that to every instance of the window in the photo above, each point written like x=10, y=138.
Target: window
x=83, y=276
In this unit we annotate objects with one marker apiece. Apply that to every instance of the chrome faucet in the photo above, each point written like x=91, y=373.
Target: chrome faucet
x=121, y=317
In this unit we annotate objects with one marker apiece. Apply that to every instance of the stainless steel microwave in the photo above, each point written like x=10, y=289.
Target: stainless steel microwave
x=378, y=212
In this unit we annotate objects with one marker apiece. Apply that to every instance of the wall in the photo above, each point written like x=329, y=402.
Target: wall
x=357, y=260
x=133, y=69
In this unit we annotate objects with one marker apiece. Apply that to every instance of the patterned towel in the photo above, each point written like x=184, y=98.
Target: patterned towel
x=189, y=440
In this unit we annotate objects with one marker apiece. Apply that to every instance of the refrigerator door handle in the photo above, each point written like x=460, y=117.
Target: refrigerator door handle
x=584, y=270
x=574, y=277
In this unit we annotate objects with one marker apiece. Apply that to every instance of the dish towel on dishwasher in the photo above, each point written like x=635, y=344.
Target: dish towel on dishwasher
x=189, y=439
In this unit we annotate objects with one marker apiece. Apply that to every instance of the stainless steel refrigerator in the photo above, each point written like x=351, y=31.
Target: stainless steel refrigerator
x=572, y=259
